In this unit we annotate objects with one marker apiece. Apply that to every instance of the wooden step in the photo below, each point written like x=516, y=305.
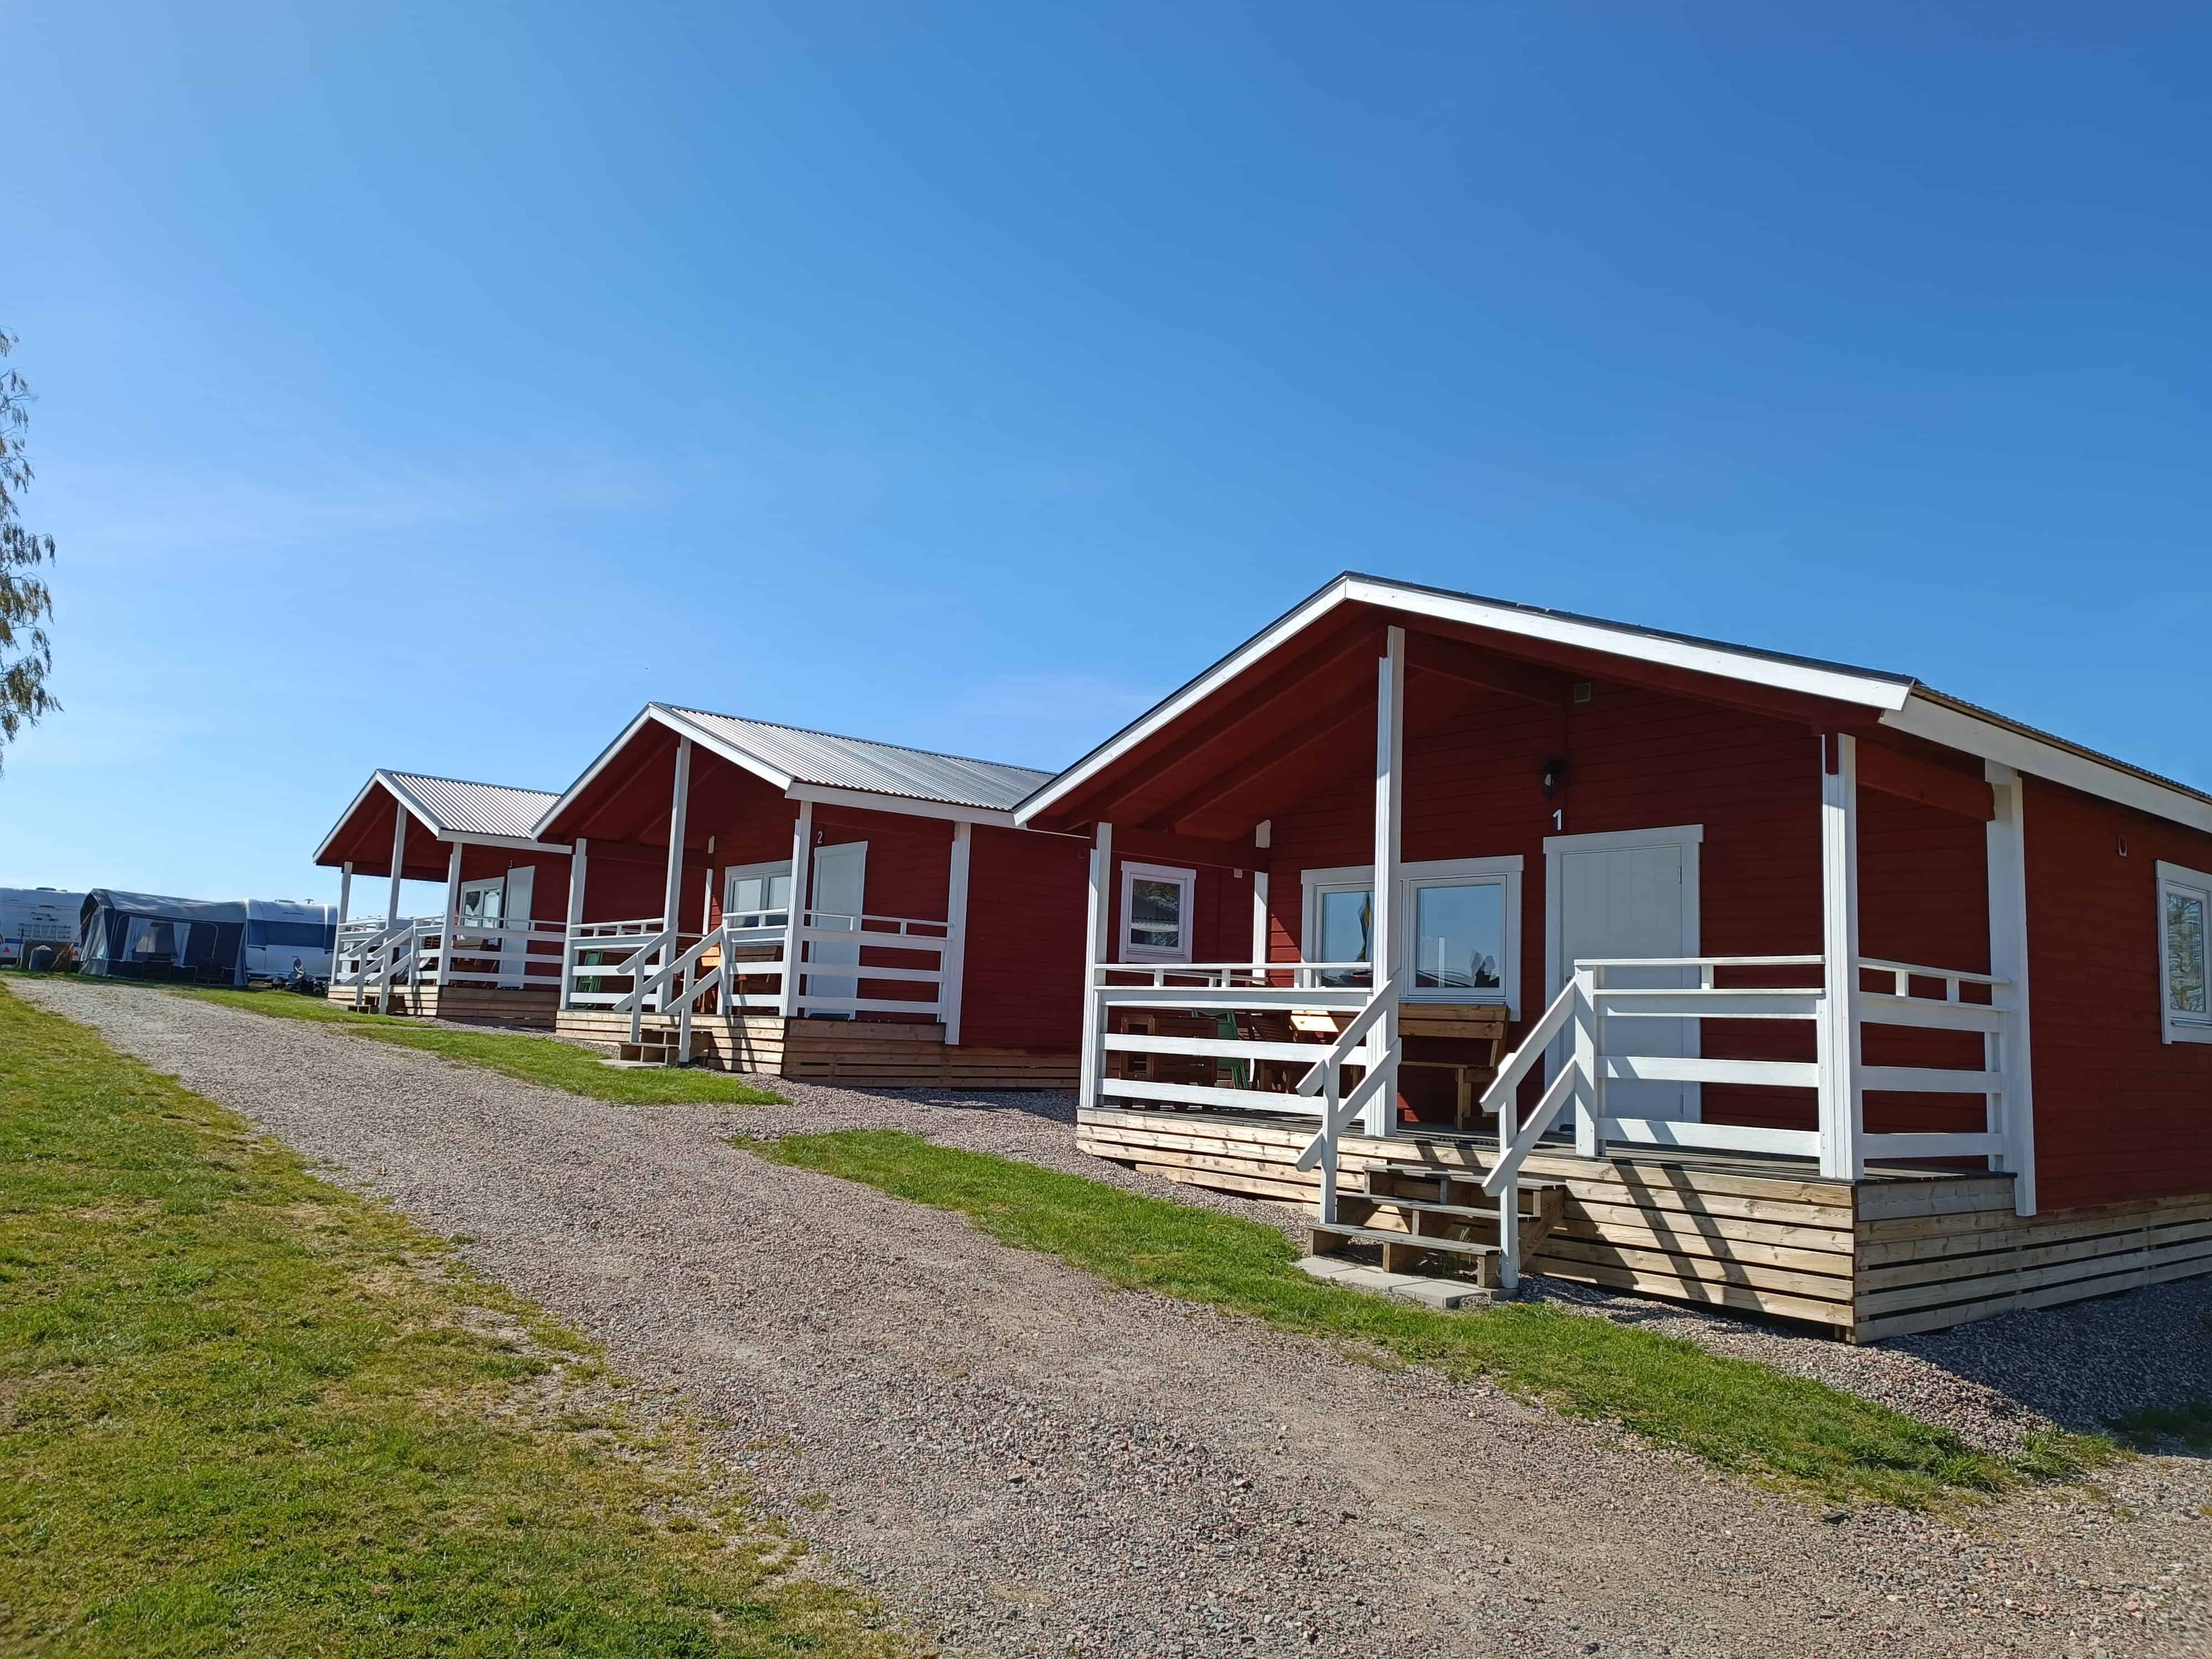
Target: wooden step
x=1425, y=1206
x=1401, y=1250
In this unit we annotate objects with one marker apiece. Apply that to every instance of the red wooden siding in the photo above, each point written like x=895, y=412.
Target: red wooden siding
x=1644, y=760
x=1027, y=896
x=2119, y=1113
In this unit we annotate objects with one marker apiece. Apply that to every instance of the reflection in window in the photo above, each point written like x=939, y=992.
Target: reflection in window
x=1348, y=934
x=1155, y=913
x=2185, y=952
x=759, y=901
x=1459, y=937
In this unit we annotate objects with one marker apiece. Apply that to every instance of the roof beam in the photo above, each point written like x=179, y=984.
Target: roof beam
x=1894, y=772
x=1317, y=728
x=1473, y=665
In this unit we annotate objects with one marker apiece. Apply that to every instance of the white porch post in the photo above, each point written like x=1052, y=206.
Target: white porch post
x=954, y=961
x=1263, y=836
x=345, y=890
x=453, y=918
x=2012, y=1113
x=802, y=853
x=398, y=857
x=576, y=921
x=391, y=903
x=1381, y=1117
x=671, y=892
x=1842, y=1098
x=1095, y=952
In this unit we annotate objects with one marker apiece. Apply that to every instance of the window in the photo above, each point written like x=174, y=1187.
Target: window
x=756, y=895
x=482, y=901
x=2184, y=953
x=1460, y=921
x=1156, y=905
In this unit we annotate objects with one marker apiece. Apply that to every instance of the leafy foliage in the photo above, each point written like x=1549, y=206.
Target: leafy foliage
x=27, y=654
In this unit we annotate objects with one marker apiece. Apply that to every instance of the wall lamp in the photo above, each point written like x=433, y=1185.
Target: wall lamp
x=1554, y=773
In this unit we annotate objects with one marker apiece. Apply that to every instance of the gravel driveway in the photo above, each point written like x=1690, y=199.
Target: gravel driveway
x=1027, y=1462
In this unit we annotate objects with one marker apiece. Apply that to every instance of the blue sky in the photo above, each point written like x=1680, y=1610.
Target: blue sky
x=429, y=387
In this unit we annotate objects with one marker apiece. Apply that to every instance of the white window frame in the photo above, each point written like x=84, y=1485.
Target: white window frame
x=1132, y=872
x=2175, y=1027
x=481, y=884
x=1503, y=871
x=733, y=874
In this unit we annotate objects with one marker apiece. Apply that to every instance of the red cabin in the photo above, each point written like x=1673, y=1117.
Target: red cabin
x=507, y=893
x=764, y=898
x=1757, y=981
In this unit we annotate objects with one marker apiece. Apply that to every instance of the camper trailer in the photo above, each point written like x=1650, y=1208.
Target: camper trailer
x=38, y=927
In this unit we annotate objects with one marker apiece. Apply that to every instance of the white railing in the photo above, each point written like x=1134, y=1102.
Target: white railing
x=499, y=953
x=1222, y=991
x=638, y=967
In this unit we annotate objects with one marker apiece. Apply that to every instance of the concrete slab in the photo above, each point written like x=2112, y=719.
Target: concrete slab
x=1441, y=1293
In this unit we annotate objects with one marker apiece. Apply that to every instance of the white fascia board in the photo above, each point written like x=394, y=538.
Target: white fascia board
x=377, y=779
x=520, y=843
x=1881, y=692
x=1885, y=692
x=655, y=713
x=823, y=794
x=1954, y=728
x=1258, y=647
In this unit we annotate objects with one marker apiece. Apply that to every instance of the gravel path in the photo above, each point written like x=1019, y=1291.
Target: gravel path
x=1027, y=1462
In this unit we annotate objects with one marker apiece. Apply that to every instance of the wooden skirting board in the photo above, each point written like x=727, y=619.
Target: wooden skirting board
x=1903, y=1253
x=493, y=1005
x=857, y=1054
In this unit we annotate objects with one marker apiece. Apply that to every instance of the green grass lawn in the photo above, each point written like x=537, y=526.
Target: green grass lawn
x=556, y=1063
x=243, y=1412
x=1736, y=1414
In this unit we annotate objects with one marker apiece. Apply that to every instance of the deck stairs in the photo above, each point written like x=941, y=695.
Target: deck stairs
x=1419, y=1216
x=652, y=1048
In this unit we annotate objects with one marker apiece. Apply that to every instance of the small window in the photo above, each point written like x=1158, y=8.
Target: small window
x=2184, y=942
x=1156, y=905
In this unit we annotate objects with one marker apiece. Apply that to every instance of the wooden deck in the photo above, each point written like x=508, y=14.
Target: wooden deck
x=1905, y=1251
x=857, y=1054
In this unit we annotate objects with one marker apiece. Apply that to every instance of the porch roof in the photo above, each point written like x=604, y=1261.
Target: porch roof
x=799, y=761
x=451, y=809
x=1837, y=694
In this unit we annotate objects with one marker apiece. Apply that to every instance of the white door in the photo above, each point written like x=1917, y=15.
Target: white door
x=840, y=884
x=519, y=880
x=1632, y=894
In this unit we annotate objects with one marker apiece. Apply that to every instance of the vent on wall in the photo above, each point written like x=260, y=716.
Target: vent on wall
x=1583, y=691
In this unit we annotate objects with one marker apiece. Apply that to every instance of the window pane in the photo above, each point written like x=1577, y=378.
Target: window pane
x=2185, y=951
x=1156, y=913
x=1459, y=937
x=1348, y=931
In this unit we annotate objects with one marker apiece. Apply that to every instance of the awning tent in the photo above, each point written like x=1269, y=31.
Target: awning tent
x=151, y=936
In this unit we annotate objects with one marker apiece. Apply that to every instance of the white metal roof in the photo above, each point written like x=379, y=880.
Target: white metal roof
x=453, y=806
x=1892, y=699
x=454, y=809
x=799, y=755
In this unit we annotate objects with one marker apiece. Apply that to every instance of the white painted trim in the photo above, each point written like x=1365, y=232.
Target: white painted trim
x=1837, y=1030
x=953, y=962
x=766, y=867
x=824, y=794
x=516, y=843
x=1097, y=927
x=579, y=868
x=1868, y=689
x=398, y=862
x=1258, y=915
x=2173, y=1028
x=1381, y=1114
x=1689, y=837
x=679, y=813
x=2005, y=851
x=1132, y=873
x=1938, y=723
x=1896, y=699
x=802, y=856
